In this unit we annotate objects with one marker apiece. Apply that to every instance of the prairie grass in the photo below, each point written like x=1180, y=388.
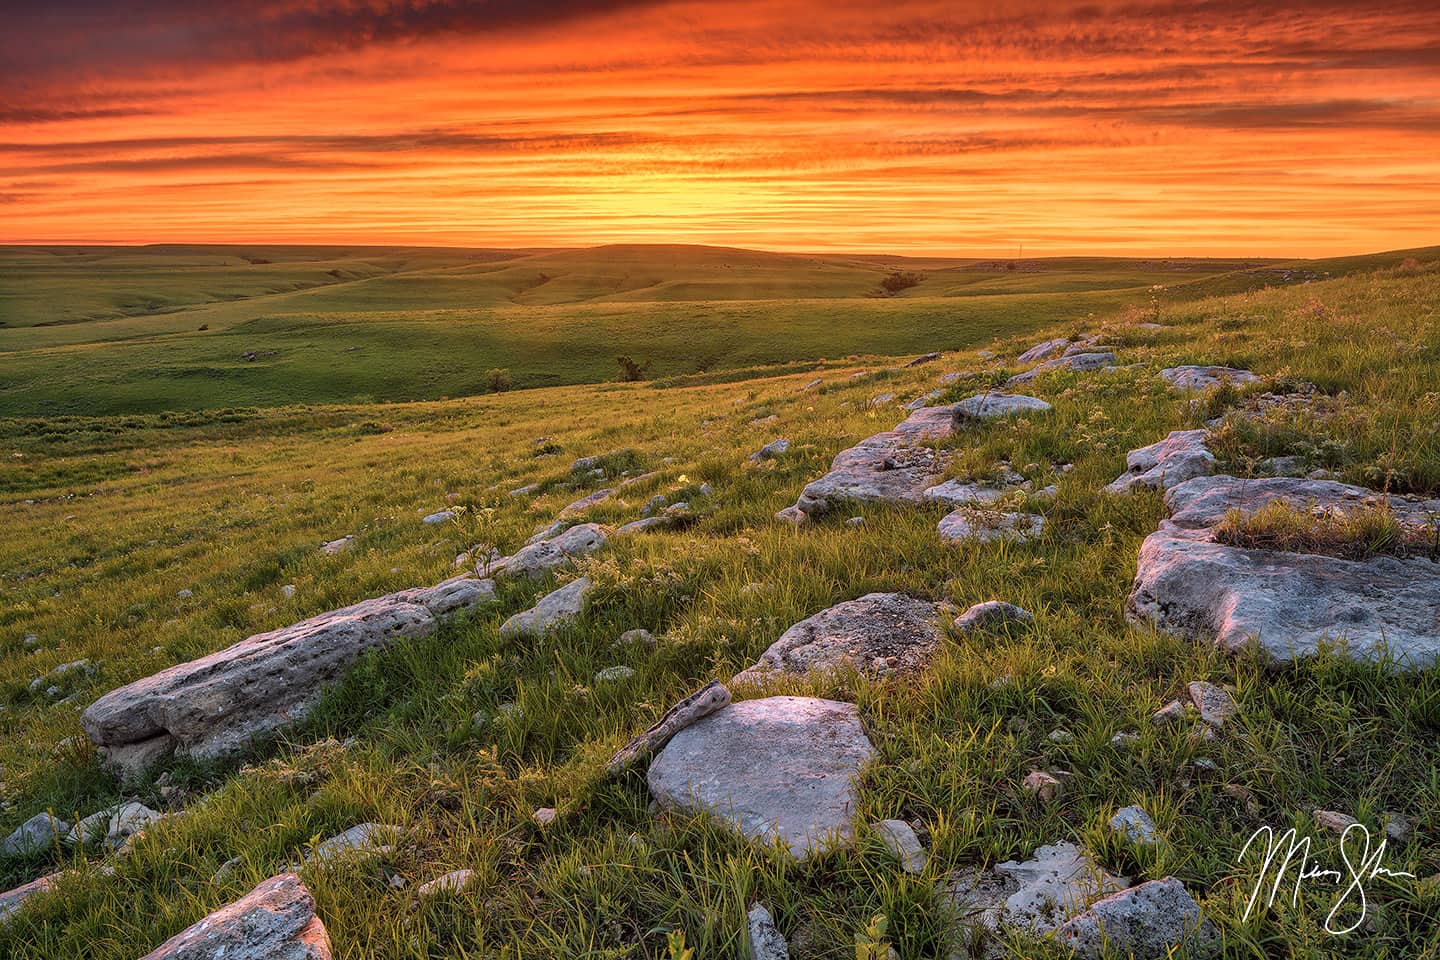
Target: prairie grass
x=457, y=738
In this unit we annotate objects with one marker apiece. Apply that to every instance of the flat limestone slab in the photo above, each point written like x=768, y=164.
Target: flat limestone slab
x=1179, y=457
x=1199, y=377
x=1035, y=896
x=12, y=900
x=781, y=769
x=877, y=634
x=275, y=921
x=219, y=703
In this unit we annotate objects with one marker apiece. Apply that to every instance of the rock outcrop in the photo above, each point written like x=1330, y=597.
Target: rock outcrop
x=1148, y=920
x=219, y=703
x=991, y=614
x=995, y=405
x=555, y=610
x=988, y=526
x=1034, y=896
x=1070, y=362
x=778, y=770
x=1198, y=378
x=1179, y=457
x=537, y=559
x=36, y=835
x=275, y=921
x=877, y=634
x=12, y=900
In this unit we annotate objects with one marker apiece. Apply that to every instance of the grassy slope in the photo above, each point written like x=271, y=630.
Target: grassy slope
x=127, y=511
x=122, y=333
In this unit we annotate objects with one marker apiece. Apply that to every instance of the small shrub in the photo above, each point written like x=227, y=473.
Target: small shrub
x=632, y=370
x=497, y=379
x=900, y=280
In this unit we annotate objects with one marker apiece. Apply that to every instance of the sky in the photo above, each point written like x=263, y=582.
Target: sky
x=910, y=126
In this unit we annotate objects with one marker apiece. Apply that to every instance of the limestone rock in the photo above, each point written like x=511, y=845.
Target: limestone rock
x=781, y=769
x=703, y=702
x=771, y=450
x=923, y=358
x=1034, y=896
x=1214, y=703
x=899, y=838
x=878, y=634
x=275, y=921
x=614, y=674
x=1199, y=378
x=337, y=546
x=1044, y=351
x=1205, y=501
x=955, y=493
x=554, y=610
x=993, y=405
x=1043, y=786
x=361, y=840
x=643, y=525
x=1150, y=920
x=1134, y=825
x=36, y=835
x=441, y=516
x=1172, y=712
x=1072, y=362
x=219, y=703
x=12, y=900
x=990, y=614
x=1333, y=821
x=452, y=882
x=989, y=526
x=587, y=501
x=544, y=816
x=1179, y=457
x=764, y=940
x=537, y=559
x=1283, y=466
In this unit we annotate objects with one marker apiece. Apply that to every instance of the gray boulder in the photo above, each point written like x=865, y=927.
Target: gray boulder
x=275, y=921
x=993, y=405
x=36, y=835
x=361, y=840
x=1150, y=920
x=992, y=613
x=644, y=525
x=1133, y=825
x=1071, y=362
x=989, y=526
x=219, y=703
x=1198, y=378
x=877, y=634
x=537, y=559
x=554, y=611
x=587, y=501
x=1214, y=703
x=1044, y=351
x=1179, y=457
x=778, y=770
x=955, y=493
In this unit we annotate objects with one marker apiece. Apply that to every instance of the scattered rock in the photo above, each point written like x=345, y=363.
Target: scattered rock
x=587, y=501
x=880, y=400
x=1214, y=703
x=771, y=450
x=219, y=703
x=644, y=524
x=989, y=526
x=554, y=611
x=442, y=516
x=923, y=358
x=361, y=840
x=1059, y=735
x=128, y=820
x=453, y=882
x=614, y=674
x=1034, y=896
x=538, y=559
x=184, y=594
x=855, y=522
x=877, y=634
x=36, y=835
x=1398, y=828
x=991, y=614
x=1044, y=351
x=703, y=702
x=1172, y=712
x=288, y=591
x=1124, y=739
x=275, y=920
x=1043, y=786
x=1200, y=378
x=764, y=940
x=11, y=900
x=993, y=405
x=337, y=546
x=1148, y=920
x=637, y=638
x=1179, y=457
x=957, y=493
x=1333, y=821
x=812, y=385
x=924, y=400
x=781, y=769
x=899, y=838
x=1283, y=466
x=1072, y=362
x=1133, y=825
x=544, y=816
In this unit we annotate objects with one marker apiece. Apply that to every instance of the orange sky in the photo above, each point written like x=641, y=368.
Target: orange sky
x=912, y=126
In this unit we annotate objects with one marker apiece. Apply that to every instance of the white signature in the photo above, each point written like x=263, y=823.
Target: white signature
x=1297, y=849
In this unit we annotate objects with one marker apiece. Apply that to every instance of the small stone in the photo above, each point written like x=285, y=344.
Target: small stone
x=36, y=835
x=765, y=940
x=1214, y=703
x=227, y=870
x=1333, y=821
x=12, y=900
x=771, y=450
x=1134, y=825
x=544, y=816
x=1242, y=796
x=614, y=674
x=990, y=614
x=855, y=522
x=288, y=591
x=555, y=610
x=1207, y=765
x=337, y=546
x=440, y=516
x=184, y=594
x=1043, y=786
x=637, y=638
x=1172, y=712
x=1398, y=828
x=361, y=840
x=899, y=838
x=1060, y=735
x=452, y=882
x=1124, y=738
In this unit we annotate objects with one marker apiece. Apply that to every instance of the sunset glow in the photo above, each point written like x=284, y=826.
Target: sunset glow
x=909, y=127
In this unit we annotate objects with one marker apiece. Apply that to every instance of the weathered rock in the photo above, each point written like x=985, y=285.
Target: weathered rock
x=703, y=702
x=877, y=634
x=1198, y=378
x=1172, y=712
x=988, y=526
x=991, y=614
x=1398, y=829
x=924, y=400
x=128, y=820
x=614, y=674
x=1179, y=457
x=890, y=467
x=923, y=358
x=644, y=525
x=554, y=611
x=1283, y=466
x=1150, y=920
x=993, y=405
x=1133, y=825
x=1333, y=821
x=1071, y=362
x=219, y=703
x=879, y=400
x=1044, y=351
x=771, y=450
x=1286, y=605
x=275, y=921
x=550, y=531
x=899, y=838
x=764, y=940
x=361, y=840
x=538, y=559
x=337, y=546
x=441, y=516
x=1043, y=786
x=638, y=637
x=1214, y=703
x=12, y=900
x=36, y=835
x=544, y=816
x=781, y=769
x=587, y=501
x=453, y=882
x=1034, y=896
x=955, y=493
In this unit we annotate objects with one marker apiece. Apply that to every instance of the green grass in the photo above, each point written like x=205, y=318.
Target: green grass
x=108, y=517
